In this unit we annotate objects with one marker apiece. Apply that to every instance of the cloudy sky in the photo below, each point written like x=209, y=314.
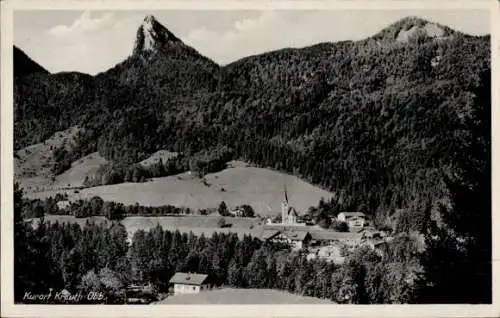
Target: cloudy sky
x=93, y=41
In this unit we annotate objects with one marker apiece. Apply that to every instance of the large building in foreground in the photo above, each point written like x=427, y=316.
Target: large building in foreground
x=189, y=283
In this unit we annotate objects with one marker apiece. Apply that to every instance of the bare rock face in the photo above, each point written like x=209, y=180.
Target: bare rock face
x=430, y=30
x=152, y=37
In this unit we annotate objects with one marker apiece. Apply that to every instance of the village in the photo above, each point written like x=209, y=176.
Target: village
x=292, y=232
x=289, y=229
x=321, y=243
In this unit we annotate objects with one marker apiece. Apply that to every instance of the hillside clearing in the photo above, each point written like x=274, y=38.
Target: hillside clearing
x=32, y=164
x=164, y=155
x=74, y=176
x=242, y=296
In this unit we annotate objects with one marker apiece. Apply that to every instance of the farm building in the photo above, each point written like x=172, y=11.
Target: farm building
x=297, y=239
x=189, y=283
x=64, y=204
x=353, y=219
x=237, y=212
x=140, y=294
x=300, y=237
x=324, y=237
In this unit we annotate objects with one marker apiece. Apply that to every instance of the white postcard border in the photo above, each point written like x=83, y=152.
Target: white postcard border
x=6, y=184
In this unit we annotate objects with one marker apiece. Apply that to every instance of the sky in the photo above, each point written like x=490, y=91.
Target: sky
x=94, y=41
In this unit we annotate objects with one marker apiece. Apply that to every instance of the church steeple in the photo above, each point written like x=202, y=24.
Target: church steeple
x=286, y=195
x=284, y=208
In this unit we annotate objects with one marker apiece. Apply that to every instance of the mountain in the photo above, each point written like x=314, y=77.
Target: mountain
x=379, y=122
x=413, y=28
x=153, y=37
x=24, y=65
x=160, y=59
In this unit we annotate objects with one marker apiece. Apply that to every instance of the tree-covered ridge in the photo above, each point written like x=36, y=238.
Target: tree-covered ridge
x=24, y=65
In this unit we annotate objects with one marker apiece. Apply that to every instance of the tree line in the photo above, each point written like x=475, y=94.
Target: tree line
x=96, y=206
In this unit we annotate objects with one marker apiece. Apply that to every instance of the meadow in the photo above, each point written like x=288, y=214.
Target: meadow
x=261, y=188
x=235, y=296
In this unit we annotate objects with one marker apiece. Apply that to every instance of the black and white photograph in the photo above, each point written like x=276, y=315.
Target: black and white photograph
x=261, y=156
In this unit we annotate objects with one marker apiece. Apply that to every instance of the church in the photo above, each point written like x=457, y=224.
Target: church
x=288, y=213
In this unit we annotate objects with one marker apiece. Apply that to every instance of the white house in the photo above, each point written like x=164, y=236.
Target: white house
x=353, y=219
x=64, y=204
x=189, y=283
x=238, y=212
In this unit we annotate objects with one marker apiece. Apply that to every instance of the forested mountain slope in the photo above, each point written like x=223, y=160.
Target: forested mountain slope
x=379, y=122
x=24, y=65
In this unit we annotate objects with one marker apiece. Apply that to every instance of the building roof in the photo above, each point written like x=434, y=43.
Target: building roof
x=291, y=210
x=316, y=233
x=296, y=235
x=333, y=235
x=267, y=234
x=293, y=234
x=188, y=278
x=353, y=214
x=63, y=204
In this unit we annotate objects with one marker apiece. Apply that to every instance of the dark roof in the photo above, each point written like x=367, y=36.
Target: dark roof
x=188, y=278
x=316, y=234
x=296, y=235
x=291, y=210
x=353, y=214
x=334, y=236
x=267, y=234
x=293, y=234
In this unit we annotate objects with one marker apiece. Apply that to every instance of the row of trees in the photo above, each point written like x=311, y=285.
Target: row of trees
x=96, y=206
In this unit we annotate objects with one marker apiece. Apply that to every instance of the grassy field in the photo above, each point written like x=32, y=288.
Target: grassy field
x=74, y=176
x=239, y=184
x=242, y=296
x=164, y=155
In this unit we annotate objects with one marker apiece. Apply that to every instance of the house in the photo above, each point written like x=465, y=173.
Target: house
x=189, y=283
x=353, y=219
x=63, y=204
x=297, y=239
x=326, y=237
x=345, y=216
x=356, y=222
x=140, y=294
x=238, y=212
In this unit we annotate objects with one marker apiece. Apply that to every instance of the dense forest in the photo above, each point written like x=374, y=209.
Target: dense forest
x=397, y=129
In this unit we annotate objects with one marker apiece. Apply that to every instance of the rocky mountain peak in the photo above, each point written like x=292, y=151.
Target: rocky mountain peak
x=152, y=36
